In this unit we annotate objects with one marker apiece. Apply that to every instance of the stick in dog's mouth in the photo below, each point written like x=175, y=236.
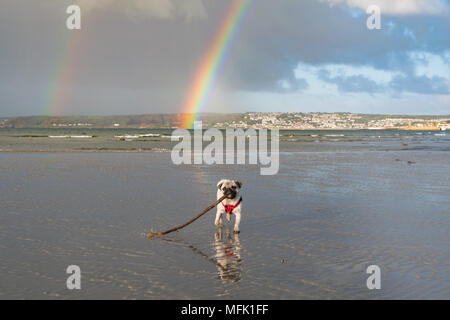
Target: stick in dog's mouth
x=151, y=234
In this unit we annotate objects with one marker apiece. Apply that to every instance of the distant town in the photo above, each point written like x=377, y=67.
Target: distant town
x=257, y=120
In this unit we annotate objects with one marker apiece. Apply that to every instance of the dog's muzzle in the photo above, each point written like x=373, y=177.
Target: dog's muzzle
x=230, y=193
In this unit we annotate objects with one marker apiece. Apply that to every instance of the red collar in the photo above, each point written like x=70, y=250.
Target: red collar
x=230, y=207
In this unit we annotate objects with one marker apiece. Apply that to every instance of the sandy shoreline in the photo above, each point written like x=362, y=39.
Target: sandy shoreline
x=308, y=233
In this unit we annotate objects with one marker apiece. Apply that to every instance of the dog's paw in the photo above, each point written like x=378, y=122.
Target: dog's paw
x=236, y=231
x=228, y=217
x=219, y=224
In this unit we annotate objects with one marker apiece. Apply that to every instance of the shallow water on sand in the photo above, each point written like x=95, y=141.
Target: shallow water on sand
x=309, y=232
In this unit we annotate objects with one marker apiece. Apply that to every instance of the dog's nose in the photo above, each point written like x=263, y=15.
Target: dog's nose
x=230, y=193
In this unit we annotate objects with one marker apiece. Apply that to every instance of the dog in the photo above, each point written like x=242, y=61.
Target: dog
x=231, y=205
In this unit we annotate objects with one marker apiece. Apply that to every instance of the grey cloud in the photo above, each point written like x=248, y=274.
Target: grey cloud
x=163, y=9
x=399, y=83
x=354, y=83
x=291, y=85
x=420, y=84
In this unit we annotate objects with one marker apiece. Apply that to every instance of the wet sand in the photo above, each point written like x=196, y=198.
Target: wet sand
x=308, y=233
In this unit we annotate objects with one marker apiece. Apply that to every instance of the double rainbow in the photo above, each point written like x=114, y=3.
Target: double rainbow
x=202, y=83
x=212, y=62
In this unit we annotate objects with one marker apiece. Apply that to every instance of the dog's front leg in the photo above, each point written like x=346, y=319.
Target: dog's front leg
x=237, y=222
x=218, y=221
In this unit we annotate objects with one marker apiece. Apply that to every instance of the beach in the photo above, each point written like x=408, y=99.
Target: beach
x=341, y=201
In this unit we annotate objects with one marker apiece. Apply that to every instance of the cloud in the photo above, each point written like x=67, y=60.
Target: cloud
x=428, y=76
x=355, y=83
x=420, y=84
x=397, y=7
x=163, y=9
x=345, y=78
x=291, y=85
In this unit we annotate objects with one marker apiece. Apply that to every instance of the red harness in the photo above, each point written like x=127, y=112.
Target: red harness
x=230, y=207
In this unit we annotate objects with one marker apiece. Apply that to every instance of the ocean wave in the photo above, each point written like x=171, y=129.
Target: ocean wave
x=127, y=136
x=160, y=150
x=81, y=137
x=137, y=136
x=150, y=135
x=72, y=137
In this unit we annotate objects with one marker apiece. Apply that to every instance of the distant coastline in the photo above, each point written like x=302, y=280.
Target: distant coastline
x=257, y=120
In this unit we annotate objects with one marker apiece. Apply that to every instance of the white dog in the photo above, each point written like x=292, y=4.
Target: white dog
x=230, y=205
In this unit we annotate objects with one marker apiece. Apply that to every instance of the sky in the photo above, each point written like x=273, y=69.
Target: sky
x=141, y=56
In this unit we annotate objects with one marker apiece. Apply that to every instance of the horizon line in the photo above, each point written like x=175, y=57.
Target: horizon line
x=220, y=113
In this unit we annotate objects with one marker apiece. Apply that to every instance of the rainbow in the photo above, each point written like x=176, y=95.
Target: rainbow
x=212, y=62
x=65, y=73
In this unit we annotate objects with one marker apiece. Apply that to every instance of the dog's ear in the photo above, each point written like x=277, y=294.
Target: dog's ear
x=238, y=183
x=219, y=184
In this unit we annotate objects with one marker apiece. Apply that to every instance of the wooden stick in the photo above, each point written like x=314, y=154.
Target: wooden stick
x=151, y=234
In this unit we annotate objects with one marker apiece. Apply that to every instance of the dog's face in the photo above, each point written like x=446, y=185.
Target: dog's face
x=229, y=187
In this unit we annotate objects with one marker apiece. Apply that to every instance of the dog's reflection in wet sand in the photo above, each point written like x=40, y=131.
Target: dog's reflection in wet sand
x=228, y=255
